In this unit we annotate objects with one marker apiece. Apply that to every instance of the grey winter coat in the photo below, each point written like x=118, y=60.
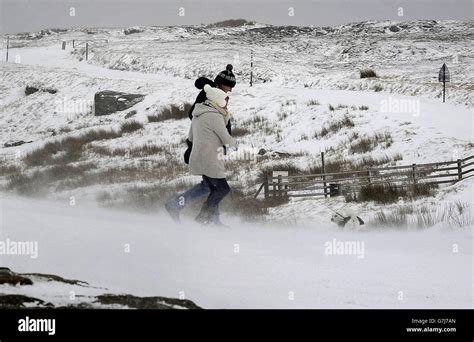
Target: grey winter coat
x=208, y=133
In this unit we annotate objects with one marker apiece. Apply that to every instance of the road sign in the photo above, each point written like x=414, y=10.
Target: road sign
x=444, y=77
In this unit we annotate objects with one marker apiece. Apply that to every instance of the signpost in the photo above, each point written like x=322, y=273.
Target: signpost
x=8, y=43
x=251, y=67
x=444, y=77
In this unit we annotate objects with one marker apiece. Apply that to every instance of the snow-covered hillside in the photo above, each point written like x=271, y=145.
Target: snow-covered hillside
x=306, y=80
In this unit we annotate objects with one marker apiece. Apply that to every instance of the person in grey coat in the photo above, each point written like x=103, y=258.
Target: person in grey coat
x=208, y=134
x=225, y=81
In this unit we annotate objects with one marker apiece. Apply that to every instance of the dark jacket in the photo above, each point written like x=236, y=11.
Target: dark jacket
x=200, y=83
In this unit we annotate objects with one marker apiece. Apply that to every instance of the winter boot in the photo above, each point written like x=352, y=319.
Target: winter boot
x=220, y=224
x=205, y=215
x=172, y=211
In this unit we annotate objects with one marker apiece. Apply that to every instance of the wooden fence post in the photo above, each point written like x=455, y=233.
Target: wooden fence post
x=265, y=188
x=8, y=45
x=368, y=177
x=258, y=191
x=73, y=43
x=323, y=171
x=459, y=169
x=251, y=67
x=414, y=173
x=87, y=51
x=279, y=185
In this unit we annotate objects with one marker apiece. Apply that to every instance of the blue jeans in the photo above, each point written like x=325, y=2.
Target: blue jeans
x=219, y=189
x=192, y=195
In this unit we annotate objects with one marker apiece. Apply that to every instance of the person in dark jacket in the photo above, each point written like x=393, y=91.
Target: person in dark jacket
x=225, y=81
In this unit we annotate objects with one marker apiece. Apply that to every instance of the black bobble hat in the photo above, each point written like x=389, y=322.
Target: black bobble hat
x=226, y=77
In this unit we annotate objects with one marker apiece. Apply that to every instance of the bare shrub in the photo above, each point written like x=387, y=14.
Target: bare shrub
x=370, y=162
x=362, y=146
x=380, y=193
x=143, y=198
x=255, y=121
x=395, y=219
x=367, y=144
x=174, y=112
x=153, y=118
x=66, y=150
x=282, y=116
x=130, y=126
x=313, y=102
x=378, y=88
x=239, y=131
x=6, y=170
x=147, y=171
x=368, y=73
x=334, y=127
x=397, y=157
x=390, y=193
x=40, y=180
x=423, y=217
x=140, y=151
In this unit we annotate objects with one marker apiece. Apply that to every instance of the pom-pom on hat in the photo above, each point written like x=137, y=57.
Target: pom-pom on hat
x=226, y=77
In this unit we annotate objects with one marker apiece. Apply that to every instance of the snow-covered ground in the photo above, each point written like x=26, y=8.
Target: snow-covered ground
x=244, y=266
x=305, y=79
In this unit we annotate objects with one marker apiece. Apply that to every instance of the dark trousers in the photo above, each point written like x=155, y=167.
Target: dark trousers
x=219, y=189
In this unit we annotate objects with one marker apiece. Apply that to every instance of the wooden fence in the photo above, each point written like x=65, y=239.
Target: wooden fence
x=337, y=183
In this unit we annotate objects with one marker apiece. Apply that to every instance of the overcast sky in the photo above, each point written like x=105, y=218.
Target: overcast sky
x=33, y=15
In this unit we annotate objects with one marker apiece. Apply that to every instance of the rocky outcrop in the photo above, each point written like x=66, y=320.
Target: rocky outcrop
x=31, y=90
x=87, y=297
x=15, y=301
x=130, y=114
x=146, y=302
x=12, y=278
x=16, y=143
x=52, y=277
x=132, y=30
x=107, y=102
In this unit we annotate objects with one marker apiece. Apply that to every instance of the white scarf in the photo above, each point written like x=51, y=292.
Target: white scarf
x=225, y=113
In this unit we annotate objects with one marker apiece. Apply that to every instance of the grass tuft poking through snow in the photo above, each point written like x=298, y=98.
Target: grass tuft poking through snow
x=130, y=126
x=368, y=73
x=140, y=151
x=172, y=112
x=367, y=144
x=334, y=127
x=68, y=149
x=453, y=215
x=313, y=102
x=39, y=181
x=389, y=193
